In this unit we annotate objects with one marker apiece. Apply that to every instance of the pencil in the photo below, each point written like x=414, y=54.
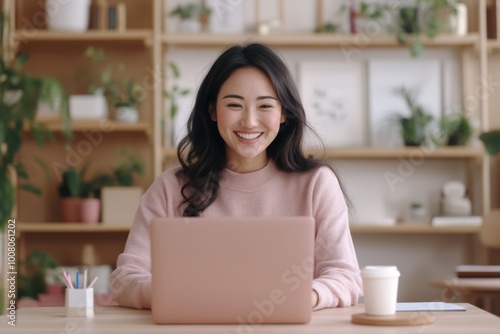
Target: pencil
x=68, y=278
x=93, y=281
x=78, y=280
x=85, y=279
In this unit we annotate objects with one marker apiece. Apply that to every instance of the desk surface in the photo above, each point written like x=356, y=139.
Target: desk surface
x=124, y=320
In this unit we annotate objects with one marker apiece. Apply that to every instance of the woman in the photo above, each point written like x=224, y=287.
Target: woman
x=242, y=157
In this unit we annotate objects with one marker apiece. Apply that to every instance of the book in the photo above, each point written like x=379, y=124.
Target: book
x=477, y=271
x=103, y=17
x=121, y=16
x=440, y=221
x=112, y=17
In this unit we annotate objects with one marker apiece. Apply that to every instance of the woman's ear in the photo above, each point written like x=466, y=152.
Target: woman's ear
x=212, y=112
x=283, y=117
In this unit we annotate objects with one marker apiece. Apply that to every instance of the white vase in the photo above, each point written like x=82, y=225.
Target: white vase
x=68, y=15
x=127, y=114
x=190, y=26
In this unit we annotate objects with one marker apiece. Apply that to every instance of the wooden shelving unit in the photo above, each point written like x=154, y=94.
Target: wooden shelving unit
x=150, y=41
x=104, y=125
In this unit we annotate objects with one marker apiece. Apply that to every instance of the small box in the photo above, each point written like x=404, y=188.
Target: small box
x=88, y=106
x=80, y=303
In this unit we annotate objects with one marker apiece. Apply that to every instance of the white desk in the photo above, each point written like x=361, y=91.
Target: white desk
x=52, y=320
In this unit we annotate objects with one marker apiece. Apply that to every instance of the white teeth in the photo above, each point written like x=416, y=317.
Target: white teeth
x=248, y=135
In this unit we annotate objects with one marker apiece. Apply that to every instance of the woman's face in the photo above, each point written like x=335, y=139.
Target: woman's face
x=248, y=115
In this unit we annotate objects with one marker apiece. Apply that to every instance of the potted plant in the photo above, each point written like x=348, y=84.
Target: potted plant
x=98, y=76
x=80, y=198
x=414, y=127
x=454, y=130
x=121, y=198
x=32, y=277
x=125, y=97
x=491, y=141
x=191, y=16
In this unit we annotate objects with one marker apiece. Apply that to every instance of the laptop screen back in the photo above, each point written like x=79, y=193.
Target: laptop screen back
x=232, y=270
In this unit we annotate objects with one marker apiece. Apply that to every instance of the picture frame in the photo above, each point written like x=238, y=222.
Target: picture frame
x=384, y=76
x=333, y=96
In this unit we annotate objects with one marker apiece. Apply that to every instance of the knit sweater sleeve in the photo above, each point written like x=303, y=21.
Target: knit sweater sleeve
x=337, y=275
x=130, y=282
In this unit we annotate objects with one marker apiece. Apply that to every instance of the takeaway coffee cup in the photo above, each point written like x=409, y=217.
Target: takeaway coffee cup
x=381, y=289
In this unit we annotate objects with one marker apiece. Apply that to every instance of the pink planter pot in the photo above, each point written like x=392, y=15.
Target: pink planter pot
x=90, y=210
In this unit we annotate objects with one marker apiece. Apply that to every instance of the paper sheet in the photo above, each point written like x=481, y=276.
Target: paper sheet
x=428, y=306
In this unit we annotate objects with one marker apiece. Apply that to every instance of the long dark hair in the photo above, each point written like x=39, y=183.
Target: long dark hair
x=202, y=151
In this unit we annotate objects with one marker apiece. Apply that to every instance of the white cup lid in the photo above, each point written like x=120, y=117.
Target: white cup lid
x=380, y=271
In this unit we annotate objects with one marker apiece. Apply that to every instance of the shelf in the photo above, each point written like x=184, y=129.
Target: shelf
x=63, y=227
x=310, y=40
x=464, y=153
x=413, y=229
x=494, y=45
x=137, y=35
x=104, y=125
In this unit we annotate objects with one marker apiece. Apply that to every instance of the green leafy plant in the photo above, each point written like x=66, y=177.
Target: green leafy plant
x=414, y=127
x=411, y=23
x=125, y=93
x=100, y=72
x=175, y=91
x=491, y=141
x=454, y=130
x=191, y=11
x=20, y=95
x=73, y=183
x=127, y=167
x=34, y=270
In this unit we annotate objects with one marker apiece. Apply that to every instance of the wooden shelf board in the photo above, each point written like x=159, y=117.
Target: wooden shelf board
x=384, y=153
x=62, y=227
x=90, y=35
x=310, y=39
x=494, y=45
x=104, y=125
x=408, y=228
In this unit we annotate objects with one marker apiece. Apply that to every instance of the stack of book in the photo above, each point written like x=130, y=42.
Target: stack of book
x=104, y=16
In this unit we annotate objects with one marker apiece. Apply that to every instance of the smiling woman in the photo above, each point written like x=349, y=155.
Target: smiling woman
x=242, y=156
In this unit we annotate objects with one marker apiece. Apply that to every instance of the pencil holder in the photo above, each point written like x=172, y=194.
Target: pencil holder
x=80, y=303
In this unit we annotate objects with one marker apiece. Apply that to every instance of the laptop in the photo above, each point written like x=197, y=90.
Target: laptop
x=232, y=270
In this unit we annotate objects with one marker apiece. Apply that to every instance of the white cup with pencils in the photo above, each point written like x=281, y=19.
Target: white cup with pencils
x=79, y=295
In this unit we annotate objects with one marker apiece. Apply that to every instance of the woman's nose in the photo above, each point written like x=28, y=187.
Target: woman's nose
x=249, y=118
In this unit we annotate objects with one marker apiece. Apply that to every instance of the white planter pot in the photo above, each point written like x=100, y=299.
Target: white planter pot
x=127, y=114
x=67, y=15
x=88, y=106
x=119, y=204
x=190, y=26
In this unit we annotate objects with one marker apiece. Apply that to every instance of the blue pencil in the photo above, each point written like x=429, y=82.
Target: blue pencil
x=78, y=280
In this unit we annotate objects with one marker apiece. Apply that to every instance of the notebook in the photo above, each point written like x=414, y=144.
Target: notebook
x=232, y=270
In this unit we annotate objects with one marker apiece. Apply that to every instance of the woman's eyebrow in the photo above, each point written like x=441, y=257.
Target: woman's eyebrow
x=235, y=96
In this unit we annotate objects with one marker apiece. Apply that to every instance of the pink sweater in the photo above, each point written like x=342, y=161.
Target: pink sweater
x=267, y=192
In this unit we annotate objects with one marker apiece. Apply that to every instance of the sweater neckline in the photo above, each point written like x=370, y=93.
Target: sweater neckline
x=246, y=182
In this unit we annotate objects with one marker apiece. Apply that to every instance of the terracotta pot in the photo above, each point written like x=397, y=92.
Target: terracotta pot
x=70, y=209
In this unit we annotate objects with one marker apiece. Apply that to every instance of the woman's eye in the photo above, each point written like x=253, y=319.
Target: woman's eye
x=266, y=106
x=234, y=105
